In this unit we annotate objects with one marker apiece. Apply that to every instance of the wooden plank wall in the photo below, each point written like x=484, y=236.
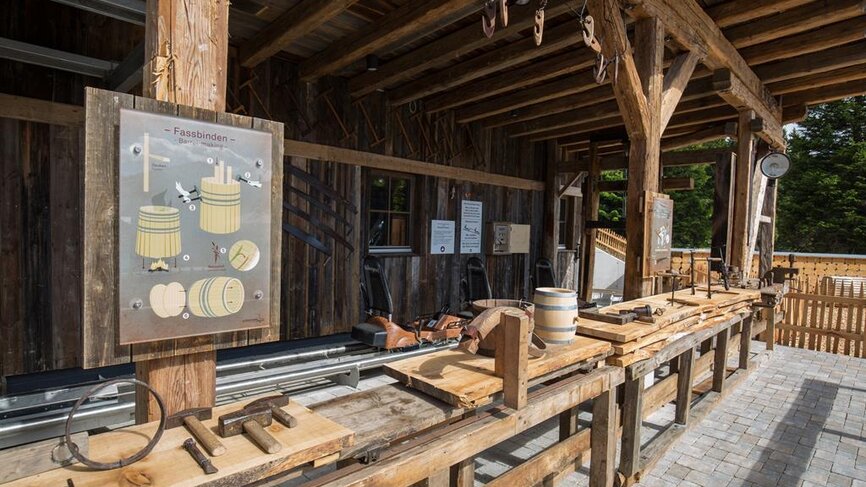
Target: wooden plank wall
x=813, y=267
x=325, y=298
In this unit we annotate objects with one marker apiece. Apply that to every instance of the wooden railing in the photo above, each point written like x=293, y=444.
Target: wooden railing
x=611, y=242
x=827, y=315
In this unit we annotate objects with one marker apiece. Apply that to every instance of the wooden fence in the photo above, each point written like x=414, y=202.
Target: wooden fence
x=814, y=267
x=827, y=315
x=611, y=242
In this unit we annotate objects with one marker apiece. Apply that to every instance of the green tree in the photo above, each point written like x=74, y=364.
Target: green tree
x=822, y=199
x=693, y=210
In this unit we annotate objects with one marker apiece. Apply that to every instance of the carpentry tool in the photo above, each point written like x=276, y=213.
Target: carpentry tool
x=319, y=224
x=503, y=12
x=275, y=404
x=307, y=238
x=192, y=418
x=320, y=186
x=623, y=316
x=778, y=275
x=723, y=273
x=674, y=276
x=346, y=134
x=370, y=126
x=251, y=422
x=202, y=461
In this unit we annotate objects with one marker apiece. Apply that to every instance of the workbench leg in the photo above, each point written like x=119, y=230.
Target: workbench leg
x=463, y=473
x=720, y=359
x=438, y=479
x=770, y=332
x=685, y=378
x=706, y=346
x=568, y=421
x=673, y=366
x=602, y=438
x=745, y=343
x=632, y=407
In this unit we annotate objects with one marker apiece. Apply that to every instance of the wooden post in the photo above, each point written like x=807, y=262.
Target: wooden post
x=770, y=332
x=742, y=191
x=550, y=244
x=632, y=411
x=767, y=233
x=602, y=438
x=591, y=204
x=186, y=53
x=720, y=357
x=685, y=378
x=745, y=342
x=722, y=208
x=644, y=170
x=463, y=473
x=512, y=357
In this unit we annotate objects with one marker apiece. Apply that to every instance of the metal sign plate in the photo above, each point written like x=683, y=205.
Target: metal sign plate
x=661, y=234
x=194, y=226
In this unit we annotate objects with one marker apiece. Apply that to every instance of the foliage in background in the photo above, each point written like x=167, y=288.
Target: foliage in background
x=822, y=200
x=611, y=206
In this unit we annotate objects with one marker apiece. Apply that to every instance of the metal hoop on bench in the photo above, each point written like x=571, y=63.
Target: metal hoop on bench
x=76, y=453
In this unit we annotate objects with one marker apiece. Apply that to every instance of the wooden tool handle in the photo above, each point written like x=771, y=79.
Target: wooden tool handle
x=206, y=437
x=266, y=442
x=283, y=417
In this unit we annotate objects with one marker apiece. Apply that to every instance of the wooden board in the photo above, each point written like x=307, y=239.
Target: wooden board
x=466, y=380
x=169, y=464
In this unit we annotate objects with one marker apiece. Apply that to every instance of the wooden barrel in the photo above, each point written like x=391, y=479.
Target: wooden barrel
x=158, y=232
x=555, y=314
x=216, y=297
x=220, y=206
x=487, y=346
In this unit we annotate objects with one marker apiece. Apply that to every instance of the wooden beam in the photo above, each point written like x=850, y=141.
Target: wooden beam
x=668, y=159
x=675, y=82
x=328, y=153
x=628, y=88
x=815, y=81
x=581, y=86
x=293, y=24
x=723, y=181
x=828, y=93
x=491, y=62
x=41, y=111
x=732, y=89
x=693, y=28
x=442, y=51
x=758, y=191
x=590, y=213
x=550, y=243
x=739, y=226
x=668, y=184
x=685, y=379
x=603, y=439
x=413, y=18
x=740, y=11
x=708, y=134
x=804, y=18
x=806, y=41
x=570, y=184
x=794, y=113
x=813, y=63
x=513, y=79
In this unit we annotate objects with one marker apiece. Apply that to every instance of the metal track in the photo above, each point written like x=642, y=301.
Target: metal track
x=40, y=415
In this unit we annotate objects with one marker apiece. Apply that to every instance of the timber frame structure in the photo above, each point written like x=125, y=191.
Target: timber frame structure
x=411, y=88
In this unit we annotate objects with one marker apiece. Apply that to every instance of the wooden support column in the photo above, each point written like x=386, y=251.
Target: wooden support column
x=186, y=53
x=770, y=332
x=722, y=208
x=591, y=200
x=550, y=243
x=739, y=229
x=512, y=358
x=603, y=440
x=745, y=342
x=720, y=358
x=685, y=378
x=632, y=409
x=767, y=232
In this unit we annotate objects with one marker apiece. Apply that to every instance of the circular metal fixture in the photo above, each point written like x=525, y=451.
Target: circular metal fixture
x=775, y=165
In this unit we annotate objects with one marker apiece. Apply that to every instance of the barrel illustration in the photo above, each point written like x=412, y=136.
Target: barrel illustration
x=167, y=300
x=555, y=314
x=158, y=234
x=216, y=297
x=220, y=202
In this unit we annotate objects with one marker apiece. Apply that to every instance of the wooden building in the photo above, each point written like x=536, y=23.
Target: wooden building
x=413, y=97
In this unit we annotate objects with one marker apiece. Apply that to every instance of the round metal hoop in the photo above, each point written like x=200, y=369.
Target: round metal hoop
x=76, y=453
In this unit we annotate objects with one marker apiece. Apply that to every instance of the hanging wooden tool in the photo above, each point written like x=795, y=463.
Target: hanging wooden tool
x=321, y=206
x=307, y=238
x=320, y=186
x=330, y=104
x=503, y=12
x=370, y=127
x=538, y=28
x=318, y=224
x=406, y=137
x=488, y=18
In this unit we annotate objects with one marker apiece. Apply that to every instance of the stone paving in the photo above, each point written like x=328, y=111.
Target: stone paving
x=796, y=421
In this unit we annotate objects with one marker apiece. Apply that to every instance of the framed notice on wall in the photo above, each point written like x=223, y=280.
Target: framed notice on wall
x=470, y=227
x=194, y=221
x=659, y=213
x=442, y=237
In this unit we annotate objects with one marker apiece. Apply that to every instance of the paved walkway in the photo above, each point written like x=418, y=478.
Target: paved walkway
x=796, y=421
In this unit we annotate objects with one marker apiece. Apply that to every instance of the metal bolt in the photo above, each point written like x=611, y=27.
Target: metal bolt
x=137, y=304
x=259, y=163
x=136, y=149
x=259, y=295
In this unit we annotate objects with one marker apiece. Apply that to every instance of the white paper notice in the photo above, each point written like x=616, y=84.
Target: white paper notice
x=470, y=227
x=442, y=237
